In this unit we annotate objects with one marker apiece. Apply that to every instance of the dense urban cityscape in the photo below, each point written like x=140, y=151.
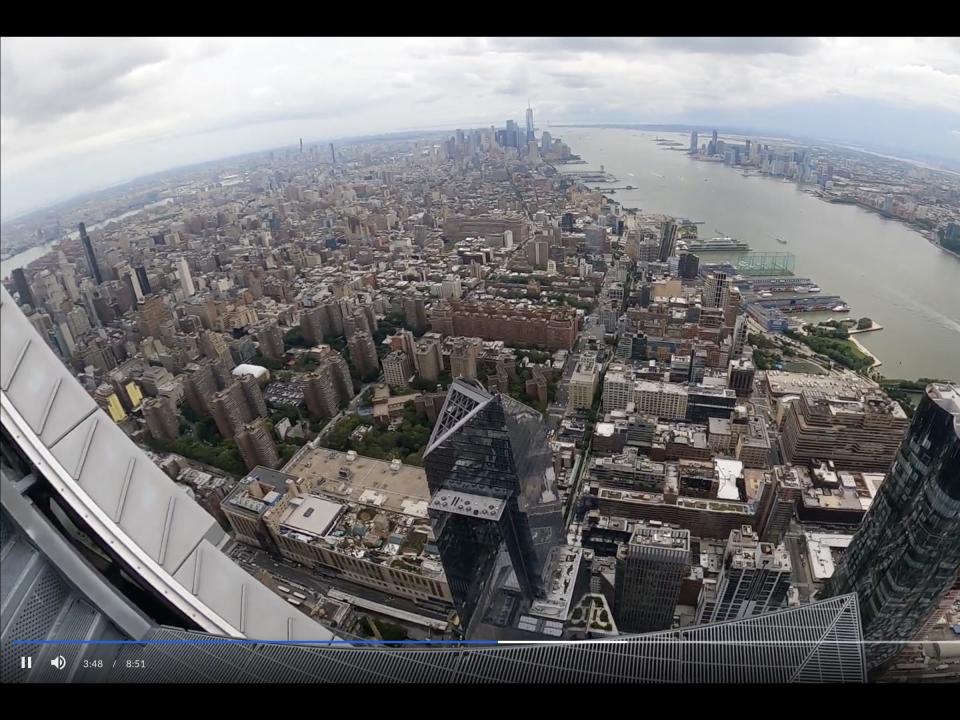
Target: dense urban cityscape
x=444, y=386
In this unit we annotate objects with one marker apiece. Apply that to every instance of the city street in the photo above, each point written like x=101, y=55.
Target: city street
x=802, y=575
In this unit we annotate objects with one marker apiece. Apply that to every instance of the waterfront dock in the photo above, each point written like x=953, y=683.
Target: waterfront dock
x=857, y=331
x=590, y=176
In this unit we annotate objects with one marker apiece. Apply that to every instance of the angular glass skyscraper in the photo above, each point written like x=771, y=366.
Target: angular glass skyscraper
x=906, y=554
x=493, y=493
x=92, y=264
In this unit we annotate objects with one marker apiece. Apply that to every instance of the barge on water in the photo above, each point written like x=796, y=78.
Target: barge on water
x=718, y=244
x=789, y=303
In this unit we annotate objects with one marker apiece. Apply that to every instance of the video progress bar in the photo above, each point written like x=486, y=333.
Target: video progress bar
x=245, y=641
x=487, y=643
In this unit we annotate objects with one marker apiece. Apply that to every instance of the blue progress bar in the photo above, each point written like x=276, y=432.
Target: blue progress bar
x=244, y=641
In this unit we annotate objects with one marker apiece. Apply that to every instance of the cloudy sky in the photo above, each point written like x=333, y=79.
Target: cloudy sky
x=81, y=114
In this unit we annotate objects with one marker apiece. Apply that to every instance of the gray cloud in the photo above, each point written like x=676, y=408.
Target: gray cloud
x=114, y=108
x=466, y=46
x=74, y=78
x=575, y=80
x=278, y=115
x=514, y=87
x=739, y=45
x=559, y=46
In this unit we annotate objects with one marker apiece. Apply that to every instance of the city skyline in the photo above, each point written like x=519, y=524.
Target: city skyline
x=459, y=386
x=804, y=86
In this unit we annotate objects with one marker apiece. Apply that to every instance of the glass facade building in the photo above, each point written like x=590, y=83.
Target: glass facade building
x=493, y=490
x=651, y=568
x=906, y=554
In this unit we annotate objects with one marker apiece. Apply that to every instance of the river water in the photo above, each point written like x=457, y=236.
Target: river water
x=881, y=268
x=38, y=251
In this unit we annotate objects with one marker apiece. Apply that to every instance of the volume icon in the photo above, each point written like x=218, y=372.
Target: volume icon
x=59, y=662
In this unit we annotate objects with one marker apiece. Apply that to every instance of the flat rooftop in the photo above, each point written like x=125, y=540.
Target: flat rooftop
x=648, y=498
x=842, y=386
x=656, y=535
x=727, y=473
x=877, y=403
x=948, y=397
x=746, y=551
x=563, y=567
x=274, y=478
x=837, y=489
x=462, y=503
x=822, y=551
x=310, y=515
x=383, y=484
x=259, y=490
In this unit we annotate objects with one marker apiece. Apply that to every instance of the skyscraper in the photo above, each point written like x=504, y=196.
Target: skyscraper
x=694, y=142
x=740, y=376
x=314, y=323
x=906, y=555
x=161, y=418
x=396, y=369
x=429, y=360
x=716, y=290
x=538, y=252
x=256, y=445
x=253, y=395
x=68, y=277
x=92, y=265
x=230, y=410
x=141, y=272
x=333, y=155
x=213, y=345
x=342, y=382
x=740, y=329
x=129, y=278
x=334, y=316
x=320, y=393
x=186, y=280
x=529, y=124
x=463, y=358
x=668, y=240
x=650, y=569
x=271, y=340
x=153, y=312
x=200, y=384
x=415, y=313
x=363, y=353
x=754, y=580
x=689, y=266
x=22, y=287
x=494, y=499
